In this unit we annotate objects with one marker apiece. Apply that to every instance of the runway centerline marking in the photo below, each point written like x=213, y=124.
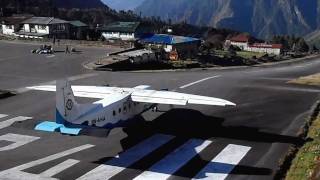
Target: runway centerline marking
x=175, y=160
x=220, y=166
x=127, y=158
x=199, y=81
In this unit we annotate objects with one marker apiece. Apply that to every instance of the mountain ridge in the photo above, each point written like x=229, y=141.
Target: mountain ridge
x=259, y=17
x=123, y=4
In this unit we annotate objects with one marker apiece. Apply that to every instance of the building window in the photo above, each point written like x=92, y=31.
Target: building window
x=42, y=27
x=114, y=113
x=9, y=27
x=60, y=27
x=119, y=110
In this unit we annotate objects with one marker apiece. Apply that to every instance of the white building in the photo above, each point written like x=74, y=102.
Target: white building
x=244, y=42
x=40, y=27
x=126, y=31
x=10, y=25
x=240, y=41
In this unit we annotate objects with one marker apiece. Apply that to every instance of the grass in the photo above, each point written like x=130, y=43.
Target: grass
x=308, y=80
x=307, y=160
x=249, y=55
x=308, y=157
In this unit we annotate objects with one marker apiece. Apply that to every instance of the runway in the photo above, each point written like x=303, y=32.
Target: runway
x=192, y=142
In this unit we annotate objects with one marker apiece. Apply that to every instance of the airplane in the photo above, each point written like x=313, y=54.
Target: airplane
x=114, y=107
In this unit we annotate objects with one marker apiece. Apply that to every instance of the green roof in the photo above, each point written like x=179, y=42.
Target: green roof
x=129, y=27
x=78, y=23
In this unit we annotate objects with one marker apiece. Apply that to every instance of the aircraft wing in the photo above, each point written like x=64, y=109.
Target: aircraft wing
x=175, y=98
x=141, y=94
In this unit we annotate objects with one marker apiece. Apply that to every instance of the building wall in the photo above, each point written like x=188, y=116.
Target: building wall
x=186, y=50
x=275, y=51
x=7, y=29
x=59, y=30
x=43, y=29
x=118, y=35
x=241, y=45
x=246, y=47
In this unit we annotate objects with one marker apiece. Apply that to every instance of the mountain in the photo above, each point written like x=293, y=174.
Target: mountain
x=82, y=4
x=92, y=12
x=123, y=4
x=262, y=18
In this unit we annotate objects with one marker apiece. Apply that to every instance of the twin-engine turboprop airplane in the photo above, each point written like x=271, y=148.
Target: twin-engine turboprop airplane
x=116, y=105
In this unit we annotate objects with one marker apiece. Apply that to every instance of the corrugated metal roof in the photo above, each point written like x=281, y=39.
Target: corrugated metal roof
x=13, y=20
x=167, y=39
x=44, y=20
x=129, y=27
x=78, y=23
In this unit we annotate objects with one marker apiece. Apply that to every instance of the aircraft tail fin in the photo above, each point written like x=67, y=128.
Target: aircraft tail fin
x=67, y=109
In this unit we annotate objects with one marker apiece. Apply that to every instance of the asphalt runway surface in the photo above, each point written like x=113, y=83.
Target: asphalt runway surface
x=242, y=142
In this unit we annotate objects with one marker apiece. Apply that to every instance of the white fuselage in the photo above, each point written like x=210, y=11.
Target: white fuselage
x=111, y=112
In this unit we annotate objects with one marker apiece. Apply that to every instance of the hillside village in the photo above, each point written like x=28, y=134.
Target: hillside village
x=165, y=45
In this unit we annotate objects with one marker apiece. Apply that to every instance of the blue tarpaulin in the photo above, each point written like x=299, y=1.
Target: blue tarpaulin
x=166, y=39
x=49, y=126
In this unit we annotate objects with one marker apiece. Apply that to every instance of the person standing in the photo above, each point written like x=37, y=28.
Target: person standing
x=67, y=49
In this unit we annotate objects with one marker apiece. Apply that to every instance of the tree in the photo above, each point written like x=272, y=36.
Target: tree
x=301, y=45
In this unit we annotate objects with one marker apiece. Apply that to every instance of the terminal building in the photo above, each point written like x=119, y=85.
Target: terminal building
x=49, y=27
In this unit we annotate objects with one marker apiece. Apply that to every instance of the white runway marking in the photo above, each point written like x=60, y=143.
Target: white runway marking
x=17, y=172
x=196, y=82
x=59, y=168
x=17, y=140
x=174, y=161
x=223, y=163
x=9, y=122
x=3, y=116
x=127, y=158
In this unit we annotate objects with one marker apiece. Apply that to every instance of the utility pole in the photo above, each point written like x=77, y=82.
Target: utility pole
x=18, y=6
x=1, y=12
